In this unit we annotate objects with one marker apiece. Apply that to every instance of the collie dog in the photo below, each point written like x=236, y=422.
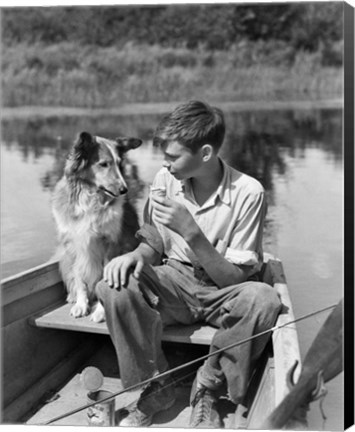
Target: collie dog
x=95, y=220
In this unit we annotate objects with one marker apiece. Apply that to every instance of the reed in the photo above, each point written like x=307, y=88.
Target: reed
x=67, y=74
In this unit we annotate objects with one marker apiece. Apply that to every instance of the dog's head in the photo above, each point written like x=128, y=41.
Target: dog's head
x=98, y=163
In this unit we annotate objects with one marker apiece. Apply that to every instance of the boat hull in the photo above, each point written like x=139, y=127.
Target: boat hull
x=42, y=354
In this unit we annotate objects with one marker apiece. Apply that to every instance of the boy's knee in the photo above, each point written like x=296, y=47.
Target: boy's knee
x=264, y=296
x=270, y=300
x=102, y=289
x=107, y=295
x=123, y=299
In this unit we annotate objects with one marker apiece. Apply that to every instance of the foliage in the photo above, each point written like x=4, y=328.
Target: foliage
x=215, y=26
x=108, y=55
x=67, y=74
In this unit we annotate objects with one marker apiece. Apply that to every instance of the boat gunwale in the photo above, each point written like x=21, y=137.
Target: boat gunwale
x=30, y=281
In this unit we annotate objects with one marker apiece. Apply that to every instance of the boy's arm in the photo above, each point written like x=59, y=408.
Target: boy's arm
x=148, y=254
x=222, y=271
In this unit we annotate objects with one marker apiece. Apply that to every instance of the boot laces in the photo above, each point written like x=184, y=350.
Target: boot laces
x=203, y=401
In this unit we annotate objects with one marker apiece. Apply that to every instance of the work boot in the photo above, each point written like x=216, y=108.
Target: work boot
x=155, y=397
x=204, y=408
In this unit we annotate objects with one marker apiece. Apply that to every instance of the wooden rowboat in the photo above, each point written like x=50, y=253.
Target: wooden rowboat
x=45, y=350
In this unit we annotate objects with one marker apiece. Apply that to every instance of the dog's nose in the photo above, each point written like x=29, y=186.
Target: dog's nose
x=123, y=190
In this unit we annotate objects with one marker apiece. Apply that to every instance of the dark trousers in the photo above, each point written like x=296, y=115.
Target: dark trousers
x=173, y=294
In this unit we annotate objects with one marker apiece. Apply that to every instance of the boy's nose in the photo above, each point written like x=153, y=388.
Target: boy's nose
x=166, y=164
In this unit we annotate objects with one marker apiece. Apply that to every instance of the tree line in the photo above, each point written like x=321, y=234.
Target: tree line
x=304, y=26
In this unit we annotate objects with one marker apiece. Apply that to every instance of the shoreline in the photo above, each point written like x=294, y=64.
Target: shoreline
x=9, y=113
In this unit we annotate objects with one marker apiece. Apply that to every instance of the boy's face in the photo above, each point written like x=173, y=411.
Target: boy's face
x=180, y=161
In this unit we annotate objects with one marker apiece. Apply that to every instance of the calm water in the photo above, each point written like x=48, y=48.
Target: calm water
x=296, y=154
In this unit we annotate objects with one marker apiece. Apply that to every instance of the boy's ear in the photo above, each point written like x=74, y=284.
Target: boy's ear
x=207, y=151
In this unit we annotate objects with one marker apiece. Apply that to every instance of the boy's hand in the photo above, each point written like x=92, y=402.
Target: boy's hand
x=174, y=216
x=116, y=272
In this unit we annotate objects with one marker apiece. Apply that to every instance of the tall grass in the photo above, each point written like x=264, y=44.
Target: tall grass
x=67, y=74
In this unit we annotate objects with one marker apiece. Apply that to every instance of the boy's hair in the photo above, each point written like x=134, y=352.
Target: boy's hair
x=192, y=125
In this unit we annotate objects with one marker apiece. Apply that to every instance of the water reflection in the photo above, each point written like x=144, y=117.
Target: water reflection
x=54, y=173
x=37, y=134
x=253, y=143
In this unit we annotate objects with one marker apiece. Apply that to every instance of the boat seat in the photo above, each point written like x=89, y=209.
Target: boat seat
x=60, y=318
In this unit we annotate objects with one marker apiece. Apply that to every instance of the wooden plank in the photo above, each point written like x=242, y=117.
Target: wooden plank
x=273, y=386
x=275, y=269
x=285, y=340
x=28, y=399
x=30, y=281
x=264, y=399
x=30, y=353
x=73, y=395
x=60, y=318
x=286, y=345
x=258, y=392
x=32, y=304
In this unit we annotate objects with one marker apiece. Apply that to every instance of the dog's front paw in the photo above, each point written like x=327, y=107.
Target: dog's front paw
x=99, y=313
x=80, y=309
x=71, y=298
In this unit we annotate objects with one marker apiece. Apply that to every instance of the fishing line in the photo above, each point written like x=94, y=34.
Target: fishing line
x=190, y=363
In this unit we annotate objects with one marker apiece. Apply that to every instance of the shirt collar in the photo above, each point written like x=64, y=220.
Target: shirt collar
x=224, y=188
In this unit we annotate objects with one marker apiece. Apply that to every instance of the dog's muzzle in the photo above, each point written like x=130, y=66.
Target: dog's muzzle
x=121, y=191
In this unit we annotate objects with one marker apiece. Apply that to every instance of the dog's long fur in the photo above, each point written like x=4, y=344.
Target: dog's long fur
x=91, y=212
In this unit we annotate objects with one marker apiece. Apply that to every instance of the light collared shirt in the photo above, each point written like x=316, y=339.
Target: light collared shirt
x=232, y=219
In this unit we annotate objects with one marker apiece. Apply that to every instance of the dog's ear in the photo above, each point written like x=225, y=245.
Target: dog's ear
x=127, y=143
x=80, y=154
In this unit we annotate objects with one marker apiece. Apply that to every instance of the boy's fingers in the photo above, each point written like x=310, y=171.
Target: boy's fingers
x=158, y=198
x=108, y=278
x=115, y=277
x=105, y=273
x=157, y=205
x=161, y=201
x=124, y=272
x=138, y=269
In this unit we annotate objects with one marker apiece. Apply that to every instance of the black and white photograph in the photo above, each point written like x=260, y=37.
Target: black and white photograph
x=177, y=215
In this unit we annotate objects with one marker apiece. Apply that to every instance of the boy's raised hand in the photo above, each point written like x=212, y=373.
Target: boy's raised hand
x=174, y=216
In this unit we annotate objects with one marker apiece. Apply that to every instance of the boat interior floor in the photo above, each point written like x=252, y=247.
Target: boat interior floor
x=73, y=394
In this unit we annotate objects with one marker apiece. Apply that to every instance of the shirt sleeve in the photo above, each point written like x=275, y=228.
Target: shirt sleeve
x=148, y=232
x=245, y=245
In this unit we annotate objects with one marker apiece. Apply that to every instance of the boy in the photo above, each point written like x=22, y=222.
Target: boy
x=201, y=244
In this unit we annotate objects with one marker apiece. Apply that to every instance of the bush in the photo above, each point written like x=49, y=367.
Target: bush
x=302, y=25
x=68, y=74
